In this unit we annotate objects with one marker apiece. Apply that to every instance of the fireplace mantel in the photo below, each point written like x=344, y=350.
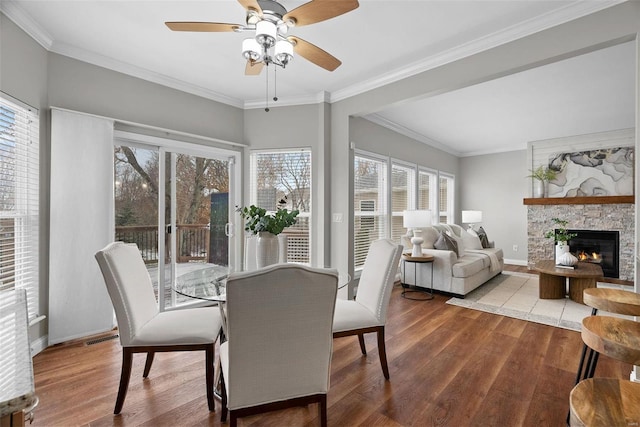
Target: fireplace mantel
x=595, y=200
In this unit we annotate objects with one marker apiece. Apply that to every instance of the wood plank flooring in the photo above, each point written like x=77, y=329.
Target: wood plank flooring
x=449, y=366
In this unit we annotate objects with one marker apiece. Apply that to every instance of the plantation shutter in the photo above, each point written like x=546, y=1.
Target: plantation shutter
x=403, y=197
x=19, y=199
x=370, y=204
x=285, y=175
x=427, y=185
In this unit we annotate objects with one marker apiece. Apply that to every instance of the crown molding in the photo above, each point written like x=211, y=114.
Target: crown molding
x=23, y=20
x=570, y=12
x=386, y=123
x=142, y=73
x=318, y=98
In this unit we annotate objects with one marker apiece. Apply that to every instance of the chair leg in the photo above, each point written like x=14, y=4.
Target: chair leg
x=363, y=348
x=382, y=352
x=233, y=419
x=148, y=363
x=322, y=408
x=223, y=397
x=209, y=360
x=127, y=359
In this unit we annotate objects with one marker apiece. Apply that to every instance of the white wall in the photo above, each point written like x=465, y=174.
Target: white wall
x=496, y=185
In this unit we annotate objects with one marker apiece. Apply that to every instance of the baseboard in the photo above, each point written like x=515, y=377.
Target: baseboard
x=516, y=262
x=38, y=345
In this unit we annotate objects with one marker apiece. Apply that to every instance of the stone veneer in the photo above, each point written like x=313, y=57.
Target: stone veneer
x=610, y=217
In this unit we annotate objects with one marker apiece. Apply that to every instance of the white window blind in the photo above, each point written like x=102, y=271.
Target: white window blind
x=370, y=204
x=19, y=199
x=285, y=175
x=403, y=196
x=427, y=185
x=446, y=198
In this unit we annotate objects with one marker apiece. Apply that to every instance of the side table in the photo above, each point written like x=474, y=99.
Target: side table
x=406, y=288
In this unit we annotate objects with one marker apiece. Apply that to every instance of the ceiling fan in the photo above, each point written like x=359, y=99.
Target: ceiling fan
x=271, y=22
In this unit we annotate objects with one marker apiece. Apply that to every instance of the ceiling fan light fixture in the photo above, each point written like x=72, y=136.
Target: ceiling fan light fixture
x=251, y=50
x=266, y=33
x=283, y=51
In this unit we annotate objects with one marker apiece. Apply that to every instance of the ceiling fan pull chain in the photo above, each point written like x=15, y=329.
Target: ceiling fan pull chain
x=267, y=89
x=275, y=84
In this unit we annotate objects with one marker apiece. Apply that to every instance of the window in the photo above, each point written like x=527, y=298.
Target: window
x=378, y=207
x=403, y=180
x=427, y=185
x=19, y=199
x=285, y=175
x=370, y=204
x=446, y=198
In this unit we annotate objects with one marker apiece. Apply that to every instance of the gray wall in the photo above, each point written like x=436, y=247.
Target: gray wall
x=23, y=75
x=37, y=77
x=496, y=185
x=294, y=127
x=592, y=32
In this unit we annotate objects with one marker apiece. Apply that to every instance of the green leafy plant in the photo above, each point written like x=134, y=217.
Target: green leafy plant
x=542, y=173
x=560, y=233
x=258, y=219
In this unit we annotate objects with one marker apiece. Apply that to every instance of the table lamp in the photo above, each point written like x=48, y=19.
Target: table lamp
x=416, y=220
x=471, y=218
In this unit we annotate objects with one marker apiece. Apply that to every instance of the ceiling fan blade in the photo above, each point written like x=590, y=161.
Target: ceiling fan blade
x=251, y=5
x=319, y=10
x=253, y=68
x=314, y=54
x=205, y=27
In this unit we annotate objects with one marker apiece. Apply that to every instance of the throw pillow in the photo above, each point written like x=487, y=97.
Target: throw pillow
x=483, y=237
x=459, y=243
x=471, y=240
x=446, y=243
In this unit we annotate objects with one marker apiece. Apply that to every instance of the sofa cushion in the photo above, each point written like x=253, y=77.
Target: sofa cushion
x=471, y=240
x=446, y=243
x=430, y=235
x=468, y=265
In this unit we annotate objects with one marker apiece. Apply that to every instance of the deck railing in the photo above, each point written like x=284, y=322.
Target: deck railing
x=192, y=240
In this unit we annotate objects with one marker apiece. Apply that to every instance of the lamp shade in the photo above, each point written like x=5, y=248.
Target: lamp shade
x=416, y=219
x=471, y=217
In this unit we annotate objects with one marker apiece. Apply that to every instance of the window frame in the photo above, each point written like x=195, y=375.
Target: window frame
x=307, y=215
x=25, y=242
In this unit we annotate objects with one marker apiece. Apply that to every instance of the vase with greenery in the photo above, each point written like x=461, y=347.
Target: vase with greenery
x=259, y=219
x=541, y=177
x=560, y=236
x=266, y=226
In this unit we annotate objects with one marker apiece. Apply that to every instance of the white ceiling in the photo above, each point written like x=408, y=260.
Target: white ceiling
x=380, y=42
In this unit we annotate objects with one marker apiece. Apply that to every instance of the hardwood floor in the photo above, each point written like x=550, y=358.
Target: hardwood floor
x=449, y=366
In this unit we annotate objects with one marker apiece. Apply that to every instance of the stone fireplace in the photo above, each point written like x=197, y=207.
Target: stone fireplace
x=600, y=247
x=617, y=217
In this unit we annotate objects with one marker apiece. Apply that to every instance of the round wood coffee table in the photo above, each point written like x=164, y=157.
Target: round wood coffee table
x=553, y=279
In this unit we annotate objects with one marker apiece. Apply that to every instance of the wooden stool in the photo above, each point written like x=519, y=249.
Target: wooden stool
x=613, y=301
x=605, y=402
x=619, y=339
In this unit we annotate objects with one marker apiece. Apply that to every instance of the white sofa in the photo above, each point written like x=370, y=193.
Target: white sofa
x=452, y=274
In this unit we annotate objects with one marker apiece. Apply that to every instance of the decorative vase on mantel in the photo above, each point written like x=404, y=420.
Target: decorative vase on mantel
x=267, y=252
x=539, y=188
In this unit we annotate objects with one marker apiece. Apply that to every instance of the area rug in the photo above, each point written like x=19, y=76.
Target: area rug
x=516, y=295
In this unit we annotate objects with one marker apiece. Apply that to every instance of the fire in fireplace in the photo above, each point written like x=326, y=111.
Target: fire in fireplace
x=597, y=246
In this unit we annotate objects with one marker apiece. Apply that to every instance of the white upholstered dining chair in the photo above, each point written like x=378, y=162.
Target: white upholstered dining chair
x=142, y=328
x=278, y=352
x=368, y=311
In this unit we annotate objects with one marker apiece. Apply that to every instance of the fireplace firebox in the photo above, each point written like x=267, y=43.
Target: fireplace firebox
x=600, y=247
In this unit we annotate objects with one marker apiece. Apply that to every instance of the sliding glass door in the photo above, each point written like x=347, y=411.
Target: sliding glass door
x=175, y=204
